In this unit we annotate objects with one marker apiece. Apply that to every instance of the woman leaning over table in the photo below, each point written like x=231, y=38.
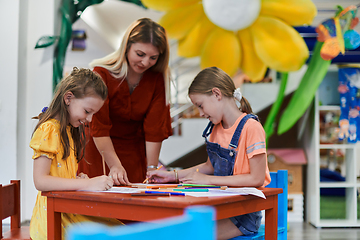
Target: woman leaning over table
x=129, y=129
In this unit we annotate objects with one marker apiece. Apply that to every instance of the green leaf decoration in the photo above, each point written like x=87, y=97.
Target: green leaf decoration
x=70, y=12
x=137, y=2
x=303, y=96
x=46, y=41
x=269, y=124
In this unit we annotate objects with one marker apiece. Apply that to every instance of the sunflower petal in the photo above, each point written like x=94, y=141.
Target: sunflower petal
x=294, y=12
x=221, y=49
x=178, y=22
x=192, y=44
x=251, y=64
x=166, y=5
x=278, y=45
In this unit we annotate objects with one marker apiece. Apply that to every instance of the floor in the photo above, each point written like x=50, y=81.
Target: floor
x=304, y=231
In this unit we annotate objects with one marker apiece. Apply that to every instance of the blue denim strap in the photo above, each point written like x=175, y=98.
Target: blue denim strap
x=208, y=130
x=235, y=139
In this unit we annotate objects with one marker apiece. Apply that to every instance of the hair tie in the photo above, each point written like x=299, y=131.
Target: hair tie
x=237, y=94
x=44, y=109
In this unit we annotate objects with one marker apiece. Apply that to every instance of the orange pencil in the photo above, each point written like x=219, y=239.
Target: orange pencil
x=147, y=179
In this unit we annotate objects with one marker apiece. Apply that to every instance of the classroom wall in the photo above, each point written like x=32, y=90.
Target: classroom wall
x=26, y=86
x=9, y=11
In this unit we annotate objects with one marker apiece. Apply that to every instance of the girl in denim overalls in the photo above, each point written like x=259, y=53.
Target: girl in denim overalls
x=235, y=142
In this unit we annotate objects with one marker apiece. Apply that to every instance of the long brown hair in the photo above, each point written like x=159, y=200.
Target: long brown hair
x=82, y=83
x=213, y=77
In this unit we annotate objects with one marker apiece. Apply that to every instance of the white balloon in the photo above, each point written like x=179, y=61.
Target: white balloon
x=232, y=15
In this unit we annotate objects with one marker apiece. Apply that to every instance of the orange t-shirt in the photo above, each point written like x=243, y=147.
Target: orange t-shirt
x=251, y=143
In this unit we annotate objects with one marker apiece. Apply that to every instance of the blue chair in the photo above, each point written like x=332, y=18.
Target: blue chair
x=279, y=179
x=196, y=223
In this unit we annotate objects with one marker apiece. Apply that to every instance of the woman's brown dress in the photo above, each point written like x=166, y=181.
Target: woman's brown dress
x=129, y=120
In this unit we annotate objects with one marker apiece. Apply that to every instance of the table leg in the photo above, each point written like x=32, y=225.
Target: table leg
x=271, y=219
x=53, y=221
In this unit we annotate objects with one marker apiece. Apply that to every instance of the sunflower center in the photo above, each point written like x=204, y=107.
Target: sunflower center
x=232, y=15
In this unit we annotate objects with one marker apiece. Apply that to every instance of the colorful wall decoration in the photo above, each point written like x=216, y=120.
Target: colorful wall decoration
x=251, y=35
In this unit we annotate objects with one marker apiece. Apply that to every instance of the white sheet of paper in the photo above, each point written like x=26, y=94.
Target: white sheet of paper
x=241, y=191
x=209, y=194
x=123, y=190
x=213, y=192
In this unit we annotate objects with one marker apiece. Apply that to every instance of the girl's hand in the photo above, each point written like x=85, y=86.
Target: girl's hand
x=82, y=176
x=160, y=176
x=195, y=178
x=100, y=183
x=150, y=170
x=119, y=175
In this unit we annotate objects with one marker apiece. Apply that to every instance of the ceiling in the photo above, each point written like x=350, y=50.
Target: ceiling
x=111, y=18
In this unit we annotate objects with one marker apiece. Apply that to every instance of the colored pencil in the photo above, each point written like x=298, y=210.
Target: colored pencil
x=103, y=162
x=171, y=193
x=199, y=185
x=191, y=189
x=150, y=194
x=162, y=186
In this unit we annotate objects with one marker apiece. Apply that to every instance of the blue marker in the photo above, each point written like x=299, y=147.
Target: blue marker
x=171, y=193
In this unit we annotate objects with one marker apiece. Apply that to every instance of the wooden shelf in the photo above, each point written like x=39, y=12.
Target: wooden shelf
x=337, y=146
x=349, y=163
x=329, y=108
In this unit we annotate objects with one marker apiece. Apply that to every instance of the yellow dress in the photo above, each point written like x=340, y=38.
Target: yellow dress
x=46, y=142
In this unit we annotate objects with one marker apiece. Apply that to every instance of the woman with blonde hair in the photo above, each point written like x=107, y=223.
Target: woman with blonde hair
x=128, y=130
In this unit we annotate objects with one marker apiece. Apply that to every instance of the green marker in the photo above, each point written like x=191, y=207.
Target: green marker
x=191, y=190
x=199, y=186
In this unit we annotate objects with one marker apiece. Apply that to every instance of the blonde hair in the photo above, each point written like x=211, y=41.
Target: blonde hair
x=143, y=30
x=82, y=83
x=214, y=77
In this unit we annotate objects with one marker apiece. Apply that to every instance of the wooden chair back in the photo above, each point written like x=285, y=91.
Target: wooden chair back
x=10, y=207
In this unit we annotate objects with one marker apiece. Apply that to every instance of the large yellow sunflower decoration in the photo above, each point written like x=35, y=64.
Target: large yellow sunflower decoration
x=250, y=35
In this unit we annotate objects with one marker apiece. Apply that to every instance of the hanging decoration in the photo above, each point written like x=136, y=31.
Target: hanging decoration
x=332, y=35
x=78, y=40
x=71, y=11
x=251, y=35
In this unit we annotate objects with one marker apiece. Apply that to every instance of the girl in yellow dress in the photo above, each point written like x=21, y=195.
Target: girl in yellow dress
x=58, y=142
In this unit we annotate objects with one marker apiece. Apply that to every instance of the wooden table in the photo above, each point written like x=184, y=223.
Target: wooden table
x=125, y=206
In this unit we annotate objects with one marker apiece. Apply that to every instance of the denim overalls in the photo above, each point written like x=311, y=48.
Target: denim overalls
x=223, y=161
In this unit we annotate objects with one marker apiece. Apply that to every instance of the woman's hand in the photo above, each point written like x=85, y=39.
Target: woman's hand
x=100, y=183
x=108, y=154
x=160, y=176
x=118, y=174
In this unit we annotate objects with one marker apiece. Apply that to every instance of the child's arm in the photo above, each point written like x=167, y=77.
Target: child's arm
x=255, y=178
x=205, y=168
x=159, y=176
x=45, y=182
